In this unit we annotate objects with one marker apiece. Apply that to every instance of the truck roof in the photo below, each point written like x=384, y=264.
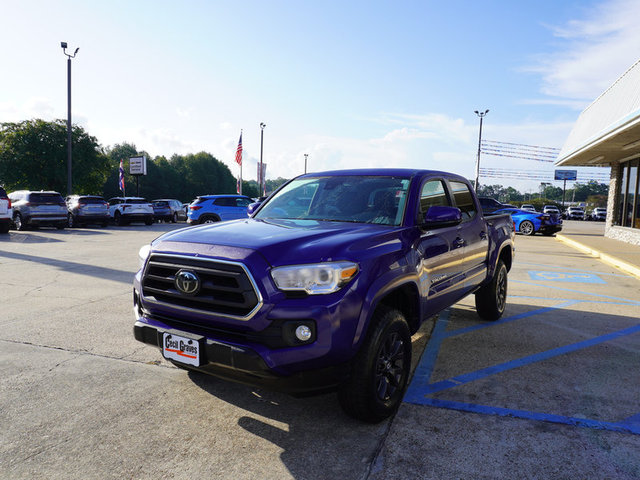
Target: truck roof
x=394, y=172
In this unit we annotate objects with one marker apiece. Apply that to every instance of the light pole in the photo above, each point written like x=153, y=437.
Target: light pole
x=261, y=180
x=305, y=162
x=481, y=115
x=69, y=57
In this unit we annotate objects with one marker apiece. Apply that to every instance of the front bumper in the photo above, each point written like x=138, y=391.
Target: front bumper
x=244, y=365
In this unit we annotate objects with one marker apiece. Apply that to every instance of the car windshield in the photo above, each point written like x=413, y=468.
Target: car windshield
x=136, y=200
x=90, y=200
x=358, y=199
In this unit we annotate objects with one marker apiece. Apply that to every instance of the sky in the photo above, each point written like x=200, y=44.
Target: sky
x=351, y=84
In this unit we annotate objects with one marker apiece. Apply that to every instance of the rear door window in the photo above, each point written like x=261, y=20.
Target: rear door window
x=463, y=199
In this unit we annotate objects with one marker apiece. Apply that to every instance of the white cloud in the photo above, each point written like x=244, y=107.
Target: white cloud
x=597, y=50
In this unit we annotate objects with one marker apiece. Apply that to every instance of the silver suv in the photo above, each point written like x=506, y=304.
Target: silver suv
x=35, y=209
x=87, y=209
x=5, y=211
x=575, y=213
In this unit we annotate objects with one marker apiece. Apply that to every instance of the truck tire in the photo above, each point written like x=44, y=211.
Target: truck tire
x=380, y=370
x=491, y=299
x=527, y=228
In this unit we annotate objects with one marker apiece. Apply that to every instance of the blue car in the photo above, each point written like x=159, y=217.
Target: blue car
x=217, y=208
x=529, y=223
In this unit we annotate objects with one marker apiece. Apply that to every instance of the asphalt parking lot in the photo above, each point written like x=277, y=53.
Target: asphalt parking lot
x=552, y=390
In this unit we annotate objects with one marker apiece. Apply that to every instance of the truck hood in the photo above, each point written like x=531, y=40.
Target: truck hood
x=283, y=242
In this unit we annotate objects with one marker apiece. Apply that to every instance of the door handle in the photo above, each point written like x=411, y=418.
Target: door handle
x=458, y=242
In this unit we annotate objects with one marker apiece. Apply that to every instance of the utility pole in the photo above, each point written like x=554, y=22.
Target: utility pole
x=481, y=115
x=69, y=57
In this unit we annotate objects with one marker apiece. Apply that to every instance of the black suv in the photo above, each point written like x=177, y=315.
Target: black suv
x=87, y=209
x=38, y=208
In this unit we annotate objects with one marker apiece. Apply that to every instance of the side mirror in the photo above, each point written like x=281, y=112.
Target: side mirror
x=438, y=216
x=253, y=207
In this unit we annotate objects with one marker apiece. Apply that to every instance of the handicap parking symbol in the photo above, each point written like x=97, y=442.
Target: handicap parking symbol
x=577, y=277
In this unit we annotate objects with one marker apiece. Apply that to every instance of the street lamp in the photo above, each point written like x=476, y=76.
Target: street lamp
x=69, y=57
x=305, y=162
x=261, y=179
x=481, y=115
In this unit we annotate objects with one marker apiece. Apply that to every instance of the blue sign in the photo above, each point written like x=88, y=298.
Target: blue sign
x=566, y=174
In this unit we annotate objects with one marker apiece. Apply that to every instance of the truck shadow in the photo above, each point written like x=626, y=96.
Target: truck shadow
x=318, y=440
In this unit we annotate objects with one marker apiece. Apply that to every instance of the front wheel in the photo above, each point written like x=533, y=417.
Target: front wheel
x=380, y=370
x=491, y=299
x=527, y=228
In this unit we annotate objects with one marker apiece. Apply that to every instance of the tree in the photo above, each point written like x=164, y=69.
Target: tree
x=33, y=156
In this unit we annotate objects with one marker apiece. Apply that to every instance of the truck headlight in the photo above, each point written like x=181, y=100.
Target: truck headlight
x=143, y=254
x=315, y=279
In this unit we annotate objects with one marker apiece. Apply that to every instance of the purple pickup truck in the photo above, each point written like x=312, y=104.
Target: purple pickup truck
x=323, y=286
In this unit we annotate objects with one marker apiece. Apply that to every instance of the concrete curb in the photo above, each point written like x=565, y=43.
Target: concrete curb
x=608, y=259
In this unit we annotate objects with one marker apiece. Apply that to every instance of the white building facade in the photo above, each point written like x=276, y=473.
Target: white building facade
x=607, y=133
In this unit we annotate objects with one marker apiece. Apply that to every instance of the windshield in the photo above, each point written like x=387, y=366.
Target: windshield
x=358, y=199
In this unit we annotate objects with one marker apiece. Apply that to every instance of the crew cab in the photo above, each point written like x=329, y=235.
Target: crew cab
x=323, y=286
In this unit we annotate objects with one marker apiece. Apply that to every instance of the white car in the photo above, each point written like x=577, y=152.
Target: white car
x=124, y=210
x=552, y=209
x=599, y=214
x=528, y=207
x=5, y=211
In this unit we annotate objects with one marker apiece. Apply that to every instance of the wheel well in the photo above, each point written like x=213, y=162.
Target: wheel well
x=507, y=257
x=406, y=299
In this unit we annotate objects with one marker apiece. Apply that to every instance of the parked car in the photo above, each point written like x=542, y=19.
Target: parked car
x=218, y=208
x=35, y=209
x=575, y=213
x=530, y=223
x=161, y=211
x=5, y=211
x=124, y=210
x=599, y=214
x=489, y=205
x=176, y=209
x=87, y=209
x=324, y=295
x=528, y=207
x=551, y=209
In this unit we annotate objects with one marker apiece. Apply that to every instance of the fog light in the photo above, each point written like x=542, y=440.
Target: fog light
x=303, y=333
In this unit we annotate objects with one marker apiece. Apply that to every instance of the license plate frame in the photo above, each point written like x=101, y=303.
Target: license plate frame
x=182, y=348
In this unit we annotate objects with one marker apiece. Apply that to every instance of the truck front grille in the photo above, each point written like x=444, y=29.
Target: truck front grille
x=226, y=288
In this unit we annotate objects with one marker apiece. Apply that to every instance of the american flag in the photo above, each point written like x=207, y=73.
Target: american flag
x=121, y=178
x=239, y=151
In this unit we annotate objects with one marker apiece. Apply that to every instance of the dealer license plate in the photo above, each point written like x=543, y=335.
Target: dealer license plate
x=181, y=349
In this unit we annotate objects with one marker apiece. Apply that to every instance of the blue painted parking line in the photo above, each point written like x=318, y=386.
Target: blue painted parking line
x=520, y=362
x=623, y=427
x=420, y=387
x=576, y=277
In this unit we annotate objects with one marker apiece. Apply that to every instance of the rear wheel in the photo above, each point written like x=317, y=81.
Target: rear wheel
x=18, y=223
x=527, y=228
x=491, y=299
x=4, y=227
x=209, y=219
x=174, y=218
x=380, y=370
x=118, y=220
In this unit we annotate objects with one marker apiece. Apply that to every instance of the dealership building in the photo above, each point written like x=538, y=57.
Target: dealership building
x=607, y=134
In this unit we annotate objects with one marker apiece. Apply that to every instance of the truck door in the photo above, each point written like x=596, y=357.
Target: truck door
x=473, y=234
x=439, y=254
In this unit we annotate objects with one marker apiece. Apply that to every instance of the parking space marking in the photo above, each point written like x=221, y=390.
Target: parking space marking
x=565, y=277
x=420, y=387
x=520, y=362
x=559, y=289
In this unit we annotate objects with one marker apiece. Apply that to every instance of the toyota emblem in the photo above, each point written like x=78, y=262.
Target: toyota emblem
x=187, y=282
